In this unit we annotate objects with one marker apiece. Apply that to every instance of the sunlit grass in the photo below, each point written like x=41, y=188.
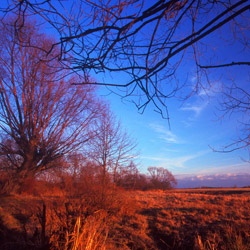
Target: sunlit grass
x=175, y=219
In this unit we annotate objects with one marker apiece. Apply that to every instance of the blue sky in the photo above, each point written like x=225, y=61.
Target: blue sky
x=196, y=126
x=185, y=148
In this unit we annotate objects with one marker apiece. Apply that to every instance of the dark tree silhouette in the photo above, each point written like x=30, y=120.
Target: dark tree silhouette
x=146, y=40
x=237, y=100
x=148, y=47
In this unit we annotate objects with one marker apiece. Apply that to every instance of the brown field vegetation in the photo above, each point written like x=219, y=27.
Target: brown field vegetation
x=174, y=219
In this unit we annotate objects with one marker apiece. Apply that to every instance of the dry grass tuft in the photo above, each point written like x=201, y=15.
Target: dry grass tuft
x=89, y=235
x=176, y=219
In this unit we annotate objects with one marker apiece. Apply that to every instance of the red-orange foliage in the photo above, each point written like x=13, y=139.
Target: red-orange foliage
x=43, y=116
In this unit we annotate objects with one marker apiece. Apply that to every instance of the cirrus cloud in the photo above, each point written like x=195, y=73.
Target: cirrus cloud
x=164, y=133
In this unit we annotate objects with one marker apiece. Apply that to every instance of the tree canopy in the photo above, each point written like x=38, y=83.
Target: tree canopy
x=42, y=115
x=150, y=49
x=146, y=41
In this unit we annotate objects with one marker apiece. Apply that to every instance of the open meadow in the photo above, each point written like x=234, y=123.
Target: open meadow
x=107, y=107
x=174, y=219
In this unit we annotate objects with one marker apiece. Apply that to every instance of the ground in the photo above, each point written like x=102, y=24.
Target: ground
x=173, y=219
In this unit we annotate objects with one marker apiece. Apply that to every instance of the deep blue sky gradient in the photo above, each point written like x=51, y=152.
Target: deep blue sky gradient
x=195, y=124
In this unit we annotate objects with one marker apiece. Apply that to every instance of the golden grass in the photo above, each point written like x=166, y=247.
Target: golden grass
x=199, y=219
x=90, y=235
x=180, y=220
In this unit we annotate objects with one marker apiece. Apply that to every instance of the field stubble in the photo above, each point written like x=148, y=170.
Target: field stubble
x=198, y=219
x=175, y=219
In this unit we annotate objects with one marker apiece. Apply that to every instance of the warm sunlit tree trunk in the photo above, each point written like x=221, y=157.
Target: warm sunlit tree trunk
x=42, y=115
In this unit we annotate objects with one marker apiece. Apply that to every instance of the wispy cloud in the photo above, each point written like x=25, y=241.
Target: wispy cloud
x=214, y=89
x=242, y=167
x=197, y=108
x=201, y=98
x=164, y=133
x=173, y=163
x=208, y=90
x=216, y=180
x=216, y=170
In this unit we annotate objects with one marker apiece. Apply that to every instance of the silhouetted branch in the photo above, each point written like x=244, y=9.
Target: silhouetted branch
x=136, y=39
x=224, y=65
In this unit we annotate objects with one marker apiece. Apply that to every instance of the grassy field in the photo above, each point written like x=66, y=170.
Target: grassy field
x=175, y=219
x=198, y=218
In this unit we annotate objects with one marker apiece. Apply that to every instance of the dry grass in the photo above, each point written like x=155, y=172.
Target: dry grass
x=198, y=219
x=177, y=219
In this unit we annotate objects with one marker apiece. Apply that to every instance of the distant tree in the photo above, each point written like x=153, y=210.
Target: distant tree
x=42, y=115
x=111, y=148
x=129, y=176
x=161, y=178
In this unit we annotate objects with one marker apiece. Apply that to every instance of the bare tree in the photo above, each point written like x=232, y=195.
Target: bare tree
x=111, y=148
x=236, y=100
x=146, y=40
x=161, y=178
x=129, y=176
x=153, y=45
x=42, y=116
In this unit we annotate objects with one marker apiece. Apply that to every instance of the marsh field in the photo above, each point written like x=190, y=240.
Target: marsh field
x=173, y=219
